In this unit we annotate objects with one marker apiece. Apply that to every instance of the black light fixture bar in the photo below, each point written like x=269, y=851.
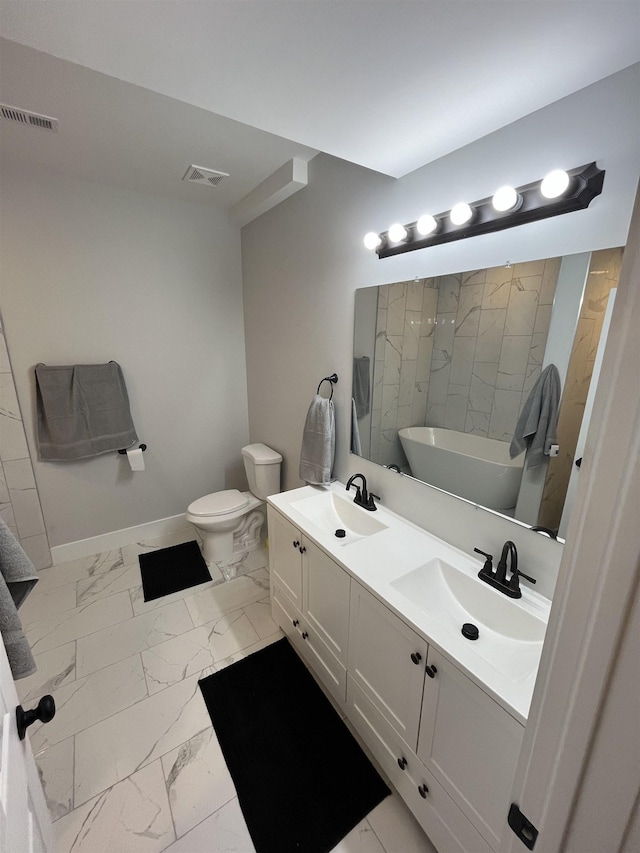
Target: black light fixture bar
x=584, y=185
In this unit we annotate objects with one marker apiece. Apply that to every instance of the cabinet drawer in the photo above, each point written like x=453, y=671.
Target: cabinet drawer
x=444, y=823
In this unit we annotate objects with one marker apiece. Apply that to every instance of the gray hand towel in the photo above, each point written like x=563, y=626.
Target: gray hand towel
x=536, y=427
x=82, y=410
x=17, y=579
x=361, y=385
x=356, y=446
x=318, y=442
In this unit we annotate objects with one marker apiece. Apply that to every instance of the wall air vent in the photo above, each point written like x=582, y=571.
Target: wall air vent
x=29, y=119
x=200, y=175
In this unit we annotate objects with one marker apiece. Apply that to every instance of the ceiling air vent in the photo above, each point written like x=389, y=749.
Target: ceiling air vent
x=30, y=119
x=200, y=175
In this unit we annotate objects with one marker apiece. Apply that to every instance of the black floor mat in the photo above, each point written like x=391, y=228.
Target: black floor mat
x=172, y=569
x=302, y=780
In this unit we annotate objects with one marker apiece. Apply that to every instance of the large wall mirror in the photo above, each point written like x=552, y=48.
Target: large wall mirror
x=443, y=367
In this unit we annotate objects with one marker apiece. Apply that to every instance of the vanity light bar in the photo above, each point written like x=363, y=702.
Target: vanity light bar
x=584, y=184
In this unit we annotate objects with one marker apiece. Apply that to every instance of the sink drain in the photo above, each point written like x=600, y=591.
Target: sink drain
x=470, y=631
x=340, y=533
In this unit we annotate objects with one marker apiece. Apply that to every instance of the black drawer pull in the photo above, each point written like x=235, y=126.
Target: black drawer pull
x=296, y=622
x=304, y=635
x=416, y=657
x=402, y=763
x=423, y=791
x=296, y=543
x=431, y=671
x=302, y=549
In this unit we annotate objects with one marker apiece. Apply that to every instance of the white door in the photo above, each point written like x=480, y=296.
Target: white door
x=285, y=556
x=25, y=825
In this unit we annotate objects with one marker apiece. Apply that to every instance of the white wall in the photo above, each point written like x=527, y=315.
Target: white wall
x=303, y=260
x=91, y=273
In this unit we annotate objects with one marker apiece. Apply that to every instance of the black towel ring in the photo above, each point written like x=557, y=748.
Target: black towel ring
x=331, y=380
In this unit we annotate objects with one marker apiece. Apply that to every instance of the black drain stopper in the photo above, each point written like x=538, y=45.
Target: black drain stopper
x=470, y=631
x=340, y=533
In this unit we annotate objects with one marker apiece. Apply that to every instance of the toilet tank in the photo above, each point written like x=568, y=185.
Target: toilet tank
x=262, y=465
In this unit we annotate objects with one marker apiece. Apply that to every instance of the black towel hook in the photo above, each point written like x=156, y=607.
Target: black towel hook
x=332, y=380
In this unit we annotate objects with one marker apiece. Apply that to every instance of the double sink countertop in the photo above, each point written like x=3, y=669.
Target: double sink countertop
x=432, y=586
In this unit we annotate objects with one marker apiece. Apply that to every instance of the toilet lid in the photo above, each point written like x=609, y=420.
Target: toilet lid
x=219, y=503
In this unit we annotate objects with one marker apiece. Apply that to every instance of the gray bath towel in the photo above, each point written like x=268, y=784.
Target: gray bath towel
x=356, y=446
x=82, y=410
x=17, y=579
x=361, y=385
x=318, y=442
x=536, y=428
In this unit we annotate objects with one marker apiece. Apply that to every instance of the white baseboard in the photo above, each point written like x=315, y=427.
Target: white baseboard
x=116, y=539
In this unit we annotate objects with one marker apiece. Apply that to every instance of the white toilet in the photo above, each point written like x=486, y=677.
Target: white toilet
x=230, y=522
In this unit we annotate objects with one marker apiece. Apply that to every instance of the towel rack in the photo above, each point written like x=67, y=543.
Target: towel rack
x=332, y=380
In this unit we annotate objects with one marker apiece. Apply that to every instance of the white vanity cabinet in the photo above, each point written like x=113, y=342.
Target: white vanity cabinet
x=310, y=601
x=449, y=749
x=470, y=744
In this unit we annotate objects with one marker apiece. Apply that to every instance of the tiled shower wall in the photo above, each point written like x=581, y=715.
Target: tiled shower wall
x=459, y=351
x=19, y=502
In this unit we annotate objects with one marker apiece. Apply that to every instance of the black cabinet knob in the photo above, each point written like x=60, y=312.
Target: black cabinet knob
x=302, y=549
x=416, y=657
x=304, y=635
x=296, y=622
x=402, y=763
x=423, y=791
x=431, y=671
x=296, y=543
x=45, y=712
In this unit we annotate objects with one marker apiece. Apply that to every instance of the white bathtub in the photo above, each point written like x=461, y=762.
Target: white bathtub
x=470, y=466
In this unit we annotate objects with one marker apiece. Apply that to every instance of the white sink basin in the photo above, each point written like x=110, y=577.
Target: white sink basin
x=510, y=636
x=329, y=512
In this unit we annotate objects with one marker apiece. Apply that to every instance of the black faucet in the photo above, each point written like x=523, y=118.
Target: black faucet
x=363, y=498
x=498, y=579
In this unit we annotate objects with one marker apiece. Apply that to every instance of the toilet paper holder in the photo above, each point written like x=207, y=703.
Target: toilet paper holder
x=143, y=447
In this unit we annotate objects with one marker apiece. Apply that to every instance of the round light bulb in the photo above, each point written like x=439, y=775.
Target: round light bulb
x=554, y=184
x=506, y=198
x=426, y=225
x=460, y=213
x=397, y=232
x=372, y=240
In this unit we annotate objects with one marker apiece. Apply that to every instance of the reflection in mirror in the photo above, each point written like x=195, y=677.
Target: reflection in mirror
x=443, y=367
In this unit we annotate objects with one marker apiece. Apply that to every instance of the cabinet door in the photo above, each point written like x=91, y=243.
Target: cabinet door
x=387, y=661
x=285, y=559
x=470, y=744
x=326, y=599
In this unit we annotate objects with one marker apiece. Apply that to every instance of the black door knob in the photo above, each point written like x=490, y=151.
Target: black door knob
x=416, y=657
x=402, y=763
x=431, y=671
x=423, y=791
x=45, y=712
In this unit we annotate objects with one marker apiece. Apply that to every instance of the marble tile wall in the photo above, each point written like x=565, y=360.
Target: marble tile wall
x=19, y=501
x=459, y=351
x=489, y=342
x=604, y=271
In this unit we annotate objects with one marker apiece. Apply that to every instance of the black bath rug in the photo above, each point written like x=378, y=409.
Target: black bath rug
x=303, y=782
x=172, y=569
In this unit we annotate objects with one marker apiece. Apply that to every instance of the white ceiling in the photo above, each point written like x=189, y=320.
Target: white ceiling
x=388, y=84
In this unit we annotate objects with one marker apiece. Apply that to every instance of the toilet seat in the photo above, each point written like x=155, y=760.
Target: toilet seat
x=219, y=503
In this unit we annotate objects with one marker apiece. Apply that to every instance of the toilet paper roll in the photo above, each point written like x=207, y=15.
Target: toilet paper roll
x=136, y=459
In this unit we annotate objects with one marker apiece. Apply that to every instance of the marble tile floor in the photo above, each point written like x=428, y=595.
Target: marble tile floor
x=131, y=762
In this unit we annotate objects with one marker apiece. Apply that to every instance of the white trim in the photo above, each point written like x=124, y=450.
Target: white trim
x=598, y=575
x=117, y=538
